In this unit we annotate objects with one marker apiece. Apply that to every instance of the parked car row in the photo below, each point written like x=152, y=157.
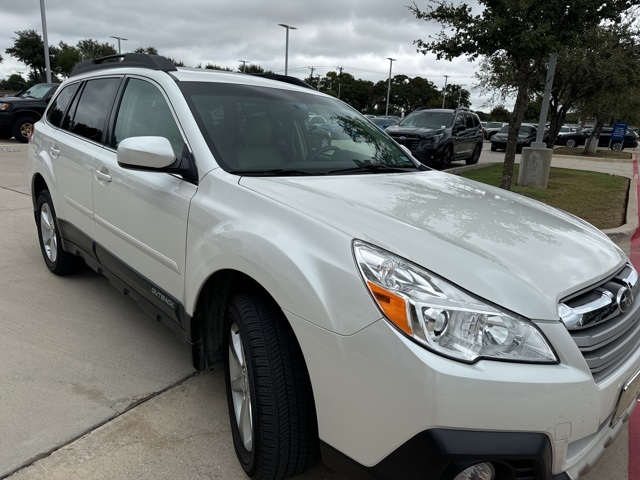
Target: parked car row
x=576, y=139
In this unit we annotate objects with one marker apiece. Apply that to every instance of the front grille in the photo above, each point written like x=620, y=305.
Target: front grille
x=409, y=141
x=604, y=321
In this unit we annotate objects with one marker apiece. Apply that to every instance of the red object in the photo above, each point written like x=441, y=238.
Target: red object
x=634, y=422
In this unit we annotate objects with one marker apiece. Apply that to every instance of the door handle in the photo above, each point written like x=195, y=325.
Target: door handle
x=102, y=175
x=54, y=152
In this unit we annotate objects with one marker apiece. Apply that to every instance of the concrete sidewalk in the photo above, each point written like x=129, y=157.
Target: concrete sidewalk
x=181, y=430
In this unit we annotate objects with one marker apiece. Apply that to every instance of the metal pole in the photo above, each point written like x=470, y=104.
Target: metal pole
x=119, y=38
x=444, y=90
x=286, y=51
x=545, y=102
x=460, y=93
x=47, y=62
x=244, y=63
x=391, y=60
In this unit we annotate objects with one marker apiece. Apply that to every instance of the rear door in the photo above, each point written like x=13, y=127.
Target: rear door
x=74, y=148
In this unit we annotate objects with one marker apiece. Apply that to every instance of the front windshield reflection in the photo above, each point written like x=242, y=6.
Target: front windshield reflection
x=282, y=132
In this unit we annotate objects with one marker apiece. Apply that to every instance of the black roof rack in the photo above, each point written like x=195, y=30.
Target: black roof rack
x=142, y=60
x=284, y=78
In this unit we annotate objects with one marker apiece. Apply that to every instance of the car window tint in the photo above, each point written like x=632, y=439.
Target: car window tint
x=60, y=104
x=144, y=111
x=469, y=120
x=93, y=108
x=459, y=122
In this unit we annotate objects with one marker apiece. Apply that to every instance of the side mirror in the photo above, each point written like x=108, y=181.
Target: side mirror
x=147, y=153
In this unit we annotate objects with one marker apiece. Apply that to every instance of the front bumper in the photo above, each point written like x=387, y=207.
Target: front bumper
x=379, y=397
x=443, y=454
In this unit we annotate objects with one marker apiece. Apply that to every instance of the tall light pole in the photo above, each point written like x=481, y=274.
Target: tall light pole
x=444, y=90
x=119, y=38
x=244, y=63
x=286, y=50
x=460, y=93
x=391, y=60
x=47, y=62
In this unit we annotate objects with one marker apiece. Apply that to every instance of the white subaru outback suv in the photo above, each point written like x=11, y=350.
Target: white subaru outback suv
x=398, y=321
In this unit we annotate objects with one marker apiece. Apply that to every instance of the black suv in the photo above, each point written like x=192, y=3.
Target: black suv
x=19, y=113
x=438, y=137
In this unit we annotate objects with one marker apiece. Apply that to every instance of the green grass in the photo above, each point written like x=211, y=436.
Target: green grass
x=598, y=198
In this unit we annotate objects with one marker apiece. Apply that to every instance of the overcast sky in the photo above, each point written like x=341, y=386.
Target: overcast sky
x=358, y=35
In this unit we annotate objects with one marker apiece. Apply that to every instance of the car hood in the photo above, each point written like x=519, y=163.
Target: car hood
x=513, y=251
x=422, y=131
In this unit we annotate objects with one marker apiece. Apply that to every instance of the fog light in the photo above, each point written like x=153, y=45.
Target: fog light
x=479, y=471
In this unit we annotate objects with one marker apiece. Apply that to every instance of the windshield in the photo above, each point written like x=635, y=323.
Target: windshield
x=37, y=91
x=268, y=131
x=428, y=119
x=524, y=130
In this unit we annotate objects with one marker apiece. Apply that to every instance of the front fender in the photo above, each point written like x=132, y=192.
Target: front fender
x=304, y=264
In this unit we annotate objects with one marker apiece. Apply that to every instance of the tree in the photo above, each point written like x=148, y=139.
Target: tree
x=15, y=82
x=584, y=77
x=28, y=48
x=500, y=114
x=211, y=66
x=93, y=49
x=147, y=50
x=515, y=38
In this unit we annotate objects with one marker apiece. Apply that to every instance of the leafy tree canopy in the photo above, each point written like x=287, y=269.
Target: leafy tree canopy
x=514, y=37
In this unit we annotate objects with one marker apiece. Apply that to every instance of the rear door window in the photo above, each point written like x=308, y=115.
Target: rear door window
x=59, y=106
x=93, y=108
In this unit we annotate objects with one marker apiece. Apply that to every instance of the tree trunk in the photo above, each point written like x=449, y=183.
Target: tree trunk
x=514, y=126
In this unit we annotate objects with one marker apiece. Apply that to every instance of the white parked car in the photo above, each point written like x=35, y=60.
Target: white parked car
x=402, y=321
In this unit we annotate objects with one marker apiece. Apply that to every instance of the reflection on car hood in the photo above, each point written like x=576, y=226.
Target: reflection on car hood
x=513, y=251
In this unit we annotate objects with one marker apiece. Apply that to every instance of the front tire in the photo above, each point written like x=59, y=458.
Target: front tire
x=447, y=158
x=269, y=395
x=57, y=260
x=571, y=143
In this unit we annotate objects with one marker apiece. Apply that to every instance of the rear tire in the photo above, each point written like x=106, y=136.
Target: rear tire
x=57, y=260
x=571, y=143
x=475, y=155
x=22, y=128
x=269, y=395
x=617, y=146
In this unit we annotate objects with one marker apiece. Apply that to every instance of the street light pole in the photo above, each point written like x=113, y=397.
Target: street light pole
x=286, y=51
x=47, y=62
x=244, y=63
x=460, y=93
x=444, y=90
x=391, y=60
x=119, y=38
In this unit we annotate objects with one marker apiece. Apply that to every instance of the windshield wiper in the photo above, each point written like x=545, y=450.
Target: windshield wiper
x=276, y=172
x=374, y=168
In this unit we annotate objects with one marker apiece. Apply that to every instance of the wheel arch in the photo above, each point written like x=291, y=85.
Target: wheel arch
x=38, y=185
x=206, y=330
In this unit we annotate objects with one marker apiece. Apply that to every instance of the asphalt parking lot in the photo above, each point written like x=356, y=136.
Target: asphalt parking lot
x=93, y=389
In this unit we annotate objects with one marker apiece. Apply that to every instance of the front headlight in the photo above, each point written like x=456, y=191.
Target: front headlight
x=4, y=106
x=431, y=140
x=442, y=317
